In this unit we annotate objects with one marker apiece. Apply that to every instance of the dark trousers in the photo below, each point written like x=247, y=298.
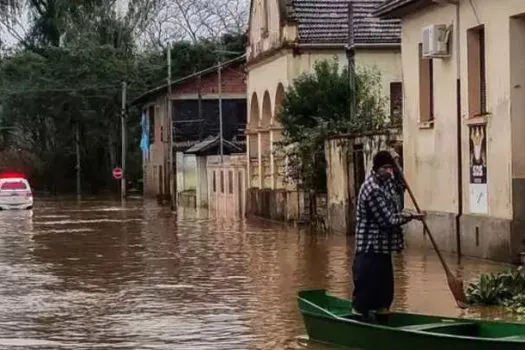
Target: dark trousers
x=373, y=282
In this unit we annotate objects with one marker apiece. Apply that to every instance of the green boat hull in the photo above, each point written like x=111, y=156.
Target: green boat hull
x=327, y=319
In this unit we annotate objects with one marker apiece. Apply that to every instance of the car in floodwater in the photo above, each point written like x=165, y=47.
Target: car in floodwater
x=15, y=192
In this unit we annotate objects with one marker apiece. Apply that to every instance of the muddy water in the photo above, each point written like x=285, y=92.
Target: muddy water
x=99, y=275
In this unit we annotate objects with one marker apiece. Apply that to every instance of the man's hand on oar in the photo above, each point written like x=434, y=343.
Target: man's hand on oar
x=416, y=215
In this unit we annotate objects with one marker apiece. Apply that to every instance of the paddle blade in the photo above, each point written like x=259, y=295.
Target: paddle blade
x=456, y=287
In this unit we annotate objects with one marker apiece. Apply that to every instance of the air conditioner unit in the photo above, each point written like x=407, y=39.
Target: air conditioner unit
x=435, y=41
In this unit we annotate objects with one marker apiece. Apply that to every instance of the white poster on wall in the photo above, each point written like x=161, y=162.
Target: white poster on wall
x=478, y=170
x=478, y=199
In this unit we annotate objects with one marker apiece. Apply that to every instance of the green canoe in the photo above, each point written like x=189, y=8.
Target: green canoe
x=327, y=319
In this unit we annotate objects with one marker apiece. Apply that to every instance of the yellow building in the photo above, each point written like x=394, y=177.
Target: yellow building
x=286, y=38
x=464, y=107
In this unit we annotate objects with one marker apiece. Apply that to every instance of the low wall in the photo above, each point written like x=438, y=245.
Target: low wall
x=279, y=204
x=187, y=199
x=283, y=205
x=348, y=162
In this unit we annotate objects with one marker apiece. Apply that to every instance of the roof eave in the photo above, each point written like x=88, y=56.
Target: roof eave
x=398, y=10
x=345, y=45
x=358, y=46
x=145, y=96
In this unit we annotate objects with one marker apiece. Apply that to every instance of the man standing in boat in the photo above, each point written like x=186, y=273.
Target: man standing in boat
x=378, y=234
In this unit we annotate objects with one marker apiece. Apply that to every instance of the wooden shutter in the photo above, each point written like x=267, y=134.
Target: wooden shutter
x=396, y=101
x=426, y=88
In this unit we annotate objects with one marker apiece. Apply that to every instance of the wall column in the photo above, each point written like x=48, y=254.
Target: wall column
x=202, y=182
x=272, y=161
x=517, y=127
x=248, y=156
x=259, y=155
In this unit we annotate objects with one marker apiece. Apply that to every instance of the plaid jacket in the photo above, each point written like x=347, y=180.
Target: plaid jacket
x=379, y=215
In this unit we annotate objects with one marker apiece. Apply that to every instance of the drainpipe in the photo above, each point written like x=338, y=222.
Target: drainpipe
x=350, y=55
x=459, y=133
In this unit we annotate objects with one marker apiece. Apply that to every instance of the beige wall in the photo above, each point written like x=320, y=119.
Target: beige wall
x=223, y=200
x=156, y=152
x=283, y=68
x=430, y=154
x=264, y=80
x=517, y=91
x=342, y=181
x=257, y=23
x=387, y=61
x=279, y=70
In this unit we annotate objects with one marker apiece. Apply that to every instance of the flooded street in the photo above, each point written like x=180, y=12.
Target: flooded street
x=99, y=275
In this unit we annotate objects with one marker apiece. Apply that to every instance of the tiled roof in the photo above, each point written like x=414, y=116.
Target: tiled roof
x=326, y=22
x=372, y=30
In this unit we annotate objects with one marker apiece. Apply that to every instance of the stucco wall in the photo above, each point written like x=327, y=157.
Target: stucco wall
x=442, y=138
x=156, y=152
x=338, y=155
x=431, y=154
x=342, y=181
x=283, y=68
x=387, y=61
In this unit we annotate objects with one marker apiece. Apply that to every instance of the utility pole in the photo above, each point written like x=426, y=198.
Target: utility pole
x=351, y=61
x=77, y=151
x=219, y=75
x=172, y=161
x=124, y=144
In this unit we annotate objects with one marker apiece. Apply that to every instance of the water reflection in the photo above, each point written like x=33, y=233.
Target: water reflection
x=98, y=274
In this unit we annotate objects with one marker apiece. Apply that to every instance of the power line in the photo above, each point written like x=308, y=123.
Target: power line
x=115, y=86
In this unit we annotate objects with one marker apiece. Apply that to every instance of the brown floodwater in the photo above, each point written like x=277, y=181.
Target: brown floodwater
x=98, y=274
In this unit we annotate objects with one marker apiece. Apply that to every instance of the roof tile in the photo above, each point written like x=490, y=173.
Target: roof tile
x=326, y=21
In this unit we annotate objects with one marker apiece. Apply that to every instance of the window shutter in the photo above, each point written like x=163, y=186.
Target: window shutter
x=482, y=73
x=396, y=101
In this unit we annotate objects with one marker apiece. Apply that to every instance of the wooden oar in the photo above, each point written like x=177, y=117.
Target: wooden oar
x=455, y=284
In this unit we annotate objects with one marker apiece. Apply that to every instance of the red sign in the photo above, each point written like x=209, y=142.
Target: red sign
x=117, y=173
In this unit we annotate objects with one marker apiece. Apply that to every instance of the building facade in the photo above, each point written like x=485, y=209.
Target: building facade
x=195, y=116
x=464, y=101
x=286, y=38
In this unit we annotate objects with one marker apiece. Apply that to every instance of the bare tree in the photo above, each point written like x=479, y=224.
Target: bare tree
x=195, y=19
x=13, y=21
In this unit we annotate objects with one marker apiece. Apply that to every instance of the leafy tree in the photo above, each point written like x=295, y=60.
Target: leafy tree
x=316, y=106
x=68, y=71
x=46, y=91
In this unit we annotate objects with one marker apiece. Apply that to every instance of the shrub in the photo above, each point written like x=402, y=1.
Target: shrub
x=503, y=289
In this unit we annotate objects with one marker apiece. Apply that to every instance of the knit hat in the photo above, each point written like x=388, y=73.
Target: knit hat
x=382, y=158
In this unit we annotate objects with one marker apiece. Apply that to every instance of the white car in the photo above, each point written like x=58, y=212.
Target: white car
x=15, y=193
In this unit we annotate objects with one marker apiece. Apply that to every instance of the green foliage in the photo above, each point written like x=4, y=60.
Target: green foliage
x=318, y=105
x=516, y=305
x=504, y=289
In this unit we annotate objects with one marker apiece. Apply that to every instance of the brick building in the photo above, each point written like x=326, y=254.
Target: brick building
x=195, y=116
